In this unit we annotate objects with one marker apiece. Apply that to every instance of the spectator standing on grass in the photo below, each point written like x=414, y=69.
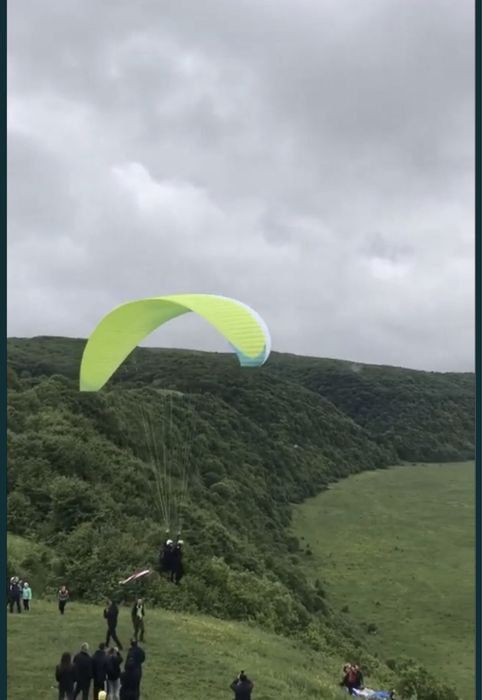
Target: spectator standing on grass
x=136, y=656
x=83, y=672
x=242, y=687
x=113, y=672
x=26, y=596
x=99, y=669
x=14, y=594
x=63, y=597
x=136, y=653
x=65, y=677
x=130, y=681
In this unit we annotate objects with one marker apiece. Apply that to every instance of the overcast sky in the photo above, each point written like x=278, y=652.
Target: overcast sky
x=313, y=158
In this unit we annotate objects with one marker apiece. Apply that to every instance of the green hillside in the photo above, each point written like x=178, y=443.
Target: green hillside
x=396, y=551
x=226, y=451
x=418, y=416
x=423, y=416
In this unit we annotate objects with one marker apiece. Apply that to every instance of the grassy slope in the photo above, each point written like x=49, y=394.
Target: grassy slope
x=397, y=547
x=188, y=657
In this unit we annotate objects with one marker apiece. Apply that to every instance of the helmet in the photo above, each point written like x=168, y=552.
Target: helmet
x=168, y=541
x=180, y=541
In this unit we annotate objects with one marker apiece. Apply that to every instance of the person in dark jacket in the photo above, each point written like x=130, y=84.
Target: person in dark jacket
x=165, y=557
x=242, y=687
x=14, y=594
x=65, y=677
x=130, y=681
x=99, y=672
x=111, y=614
x=177, y=567
x=83, y=672
x=113, y=672
x=136, y=655
x=137, y=614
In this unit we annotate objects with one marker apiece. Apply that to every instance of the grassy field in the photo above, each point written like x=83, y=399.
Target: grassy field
x=397, y=548
x=187, y=657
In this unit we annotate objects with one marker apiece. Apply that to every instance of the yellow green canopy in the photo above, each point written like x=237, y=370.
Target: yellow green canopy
x=119, y=333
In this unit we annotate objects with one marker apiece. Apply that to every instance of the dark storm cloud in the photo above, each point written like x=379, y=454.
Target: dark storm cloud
x=314, y=159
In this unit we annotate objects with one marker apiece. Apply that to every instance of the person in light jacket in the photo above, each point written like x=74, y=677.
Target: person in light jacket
x=26, y=596
x=137, y=614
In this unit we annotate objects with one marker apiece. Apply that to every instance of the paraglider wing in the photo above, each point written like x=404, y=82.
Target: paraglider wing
x=118, y=333
x=136, y=576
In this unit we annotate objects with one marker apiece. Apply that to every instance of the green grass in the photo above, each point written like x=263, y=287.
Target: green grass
x=188, y=657
x=397, y=548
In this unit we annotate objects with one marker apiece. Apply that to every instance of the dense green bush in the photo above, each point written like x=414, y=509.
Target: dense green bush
x=416, y=683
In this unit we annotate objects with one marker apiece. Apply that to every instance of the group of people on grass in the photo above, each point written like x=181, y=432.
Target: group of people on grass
x=19, y=594
x=103, y=671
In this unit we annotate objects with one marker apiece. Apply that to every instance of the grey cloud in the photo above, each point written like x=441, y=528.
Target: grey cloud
x=314, y=159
